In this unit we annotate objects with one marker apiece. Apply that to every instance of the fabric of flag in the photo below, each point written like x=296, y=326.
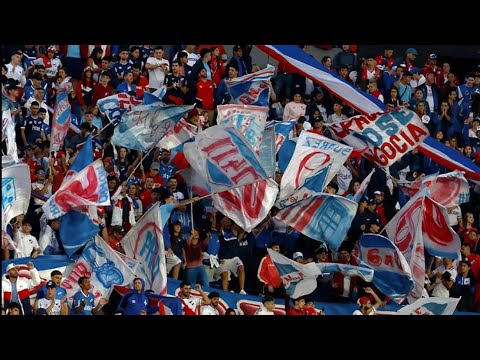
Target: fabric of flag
x=346, y=269
x=88, y=187
x=103, y=266
x=322, y=217
x=198, y=184
x=181, y=133
x=156, y=97
x=247, y=205
x=16, y=192
x=365, y=104
x=222, y=155
x=438, y=237
x=61, y=120
x=144, y=126
x=144, y=243
x=298, y=279
x=363, y=188
x=252, y=89
x=267, y=151
x=282, y=129
x=131, y=263
x=386, y=137
x=248, y=119
x=449, y=189
x=430, y=306
x=392, y=274
x=114, y=106
x=315, y=162
x=8, y=134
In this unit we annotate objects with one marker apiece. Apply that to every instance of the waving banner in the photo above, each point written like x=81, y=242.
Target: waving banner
x=16, y=192
x=449, y=189
x=222, y=155
x=103, y=266
x=314, y=155
x=88, y=187
x=282, y=129
x=252, y=89
x=61, y=120
x=430, y=306
x=182, y=132
x=114, y=106
x=144, y=126
x=392, y=276
x=144, y=243
x=387, y=136
x=323, y=217
x=247, y=205
x=249, y=120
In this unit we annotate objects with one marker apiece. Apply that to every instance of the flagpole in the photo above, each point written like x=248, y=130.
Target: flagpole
x=140, y=162
x=191, y=206
x=234, y=187
x=100, y=131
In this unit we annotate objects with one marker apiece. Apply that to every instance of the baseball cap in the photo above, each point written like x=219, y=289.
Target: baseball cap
x=363, y=300
x=433, y=56
x=364, y=198
x=52, y=49
x=10, y=267
x=374, y=221
x=321, y=249
x=378, y=192
x=298, y=255
x=411, y=50
x=193, y=112
x=51, y=284
x=155, y=166
x=118, y=229
x=371, y=201
x=12, y=85
x=236, y=47
x=41, y=311
x=415, y=70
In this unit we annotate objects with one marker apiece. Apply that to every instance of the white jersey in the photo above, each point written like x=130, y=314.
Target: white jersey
x=192, y=303
x=209, y=310
x=25, y=244
x=45, y=304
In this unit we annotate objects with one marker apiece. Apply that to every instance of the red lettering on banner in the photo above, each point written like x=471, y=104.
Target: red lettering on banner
x=360, y=121
x=249, y=202
x=416, y=132
x=394, y=140
x=388, y=260
x=78, y=271
x=227, y=151
x=373, y=258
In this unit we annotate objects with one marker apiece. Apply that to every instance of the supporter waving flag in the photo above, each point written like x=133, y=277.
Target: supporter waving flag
x=282, y=129
x=61, y=120
x=114, y=106
x=144, y=126
x=223, y=156
x=252, y=89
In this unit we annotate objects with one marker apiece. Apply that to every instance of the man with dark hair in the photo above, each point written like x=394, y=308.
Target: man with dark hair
x=135, y=302
x=83, y=300
x=268, y=273
x=56, y=277
x=268, y=304
x=212, y=308
x=191, y=305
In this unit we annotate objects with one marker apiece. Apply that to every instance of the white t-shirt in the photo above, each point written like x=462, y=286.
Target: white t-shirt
x=25, y=244
x=156, y=76
x=358, y=312
x=36, y=186
x=208, y=310
x=45, y=304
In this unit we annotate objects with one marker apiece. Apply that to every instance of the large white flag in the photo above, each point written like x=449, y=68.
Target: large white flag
x=144, y=243
x=431, y=306
x=16, y=191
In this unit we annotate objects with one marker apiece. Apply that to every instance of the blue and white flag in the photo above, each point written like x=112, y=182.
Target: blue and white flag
x=249, y=120
x=252, y=89
x=392, y=276
x=16, y=192
x=8, y=134
x=222, y=155
x=315, y=162
x=282, y=129
x=103, y=266
x=156, y=97
x=348, y=270
x=363, y=187
x=431, y=306
x=323, y=217
x=298, y=279
x=144, y=243
x=143, y=127
x=365, y=103
x=114, y=106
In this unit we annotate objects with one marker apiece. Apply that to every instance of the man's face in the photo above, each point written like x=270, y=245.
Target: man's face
x=51, y=292
x=137, y=285
x=186, y=290
x=105, y=64
x=34, y=110
x=269, y=305
x=215, y=301
x=123, y=55
x=13, y=273
x=57, y=279
x=86, y=284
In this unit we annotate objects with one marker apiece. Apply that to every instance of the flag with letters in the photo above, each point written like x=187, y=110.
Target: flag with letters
x=252, y=89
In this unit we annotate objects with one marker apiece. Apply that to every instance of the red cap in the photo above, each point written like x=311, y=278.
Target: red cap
x=363, y=300
x=193, y=112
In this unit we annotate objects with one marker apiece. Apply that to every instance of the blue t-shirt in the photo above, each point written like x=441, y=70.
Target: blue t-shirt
x=14, y=293
x=33, y=127
x=77, y=301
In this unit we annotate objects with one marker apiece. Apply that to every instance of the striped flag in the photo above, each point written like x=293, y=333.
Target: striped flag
x=363, y=187
x=282, y=129
x=365, y=104
x=61, y=120
x=114, y=106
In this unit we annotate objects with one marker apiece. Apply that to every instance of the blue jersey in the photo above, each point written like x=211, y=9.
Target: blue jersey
x=33, y=128
x=43, y=292
x=121, y=69
x=46, y=129
x=166, y=171
x=77, y=301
